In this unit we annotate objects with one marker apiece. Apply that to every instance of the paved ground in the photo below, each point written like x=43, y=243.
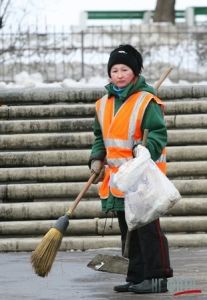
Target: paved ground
x=70, y=277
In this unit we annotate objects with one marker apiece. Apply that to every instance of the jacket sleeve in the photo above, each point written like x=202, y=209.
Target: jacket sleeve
x=154, y=121
x=98, y=150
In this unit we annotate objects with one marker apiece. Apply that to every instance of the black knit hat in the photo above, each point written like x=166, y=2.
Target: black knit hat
x=127, y=55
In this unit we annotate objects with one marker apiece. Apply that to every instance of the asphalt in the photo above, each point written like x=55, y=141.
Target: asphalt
x=71, y=278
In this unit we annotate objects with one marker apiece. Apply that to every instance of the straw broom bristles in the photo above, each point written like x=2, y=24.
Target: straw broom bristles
x=44, y=255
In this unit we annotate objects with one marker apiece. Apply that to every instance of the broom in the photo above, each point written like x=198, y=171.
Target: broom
x=43, y=256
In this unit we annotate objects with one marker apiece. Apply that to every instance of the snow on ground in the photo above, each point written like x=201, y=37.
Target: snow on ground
x=25, y=80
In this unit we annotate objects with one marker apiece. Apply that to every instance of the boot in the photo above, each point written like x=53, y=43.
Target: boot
x=154, y=285
x=123, y=288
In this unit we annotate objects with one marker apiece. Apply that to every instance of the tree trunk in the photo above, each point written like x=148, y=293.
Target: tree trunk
x=165, y=11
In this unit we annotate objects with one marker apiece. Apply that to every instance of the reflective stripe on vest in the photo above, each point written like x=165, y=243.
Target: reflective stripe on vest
x=121, y=132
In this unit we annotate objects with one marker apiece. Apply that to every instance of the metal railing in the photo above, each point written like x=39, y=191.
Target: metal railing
x=80, y=54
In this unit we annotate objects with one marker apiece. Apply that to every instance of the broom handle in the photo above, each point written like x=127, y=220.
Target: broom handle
x=81, y=194
x=162, y=78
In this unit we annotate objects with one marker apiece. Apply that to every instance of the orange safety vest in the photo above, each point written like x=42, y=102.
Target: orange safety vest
x=120, y=133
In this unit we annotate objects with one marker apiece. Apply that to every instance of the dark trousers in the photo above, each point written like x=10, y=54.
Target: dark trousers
x=148, y=251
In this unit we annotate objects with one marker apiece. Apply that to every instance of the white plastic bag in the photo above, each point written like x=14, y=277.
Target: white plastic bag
x=153, y=195
x=130, y=172
x=149, y=194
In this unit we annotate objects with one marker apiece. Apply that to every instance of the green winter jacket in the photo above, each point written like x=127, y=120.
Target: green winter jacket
x=153, y=120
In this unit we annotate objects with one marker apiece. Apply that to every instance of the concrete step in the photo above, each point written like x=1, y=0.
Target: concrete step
x=97, y=226
x=186, y=106
x=88, y=209
x=184, y=224
x=38, y=191
x=192, y=169
x=45, y=174
x=69, y=190
x=85, y=227
x=45, y=158
x=48, y=141
x=190, y=92
x=46, y=125
x=187, y=137
x=187, y=153
x=68, y=243
x=50, y=95
x=84, y=243
x=49, y=210
x=75, y=110
x=186, y=121
x=191, y=187
x=86, y=124
x=47, y=111
x=80, y=156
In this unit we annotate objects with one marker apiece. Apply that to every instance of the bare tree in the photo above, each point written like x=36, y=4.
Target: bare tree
x=4, y=11
x=165, y=11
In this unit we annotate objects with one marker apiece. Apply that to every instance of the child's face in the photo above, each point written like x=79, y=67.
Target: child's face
x=121, y=75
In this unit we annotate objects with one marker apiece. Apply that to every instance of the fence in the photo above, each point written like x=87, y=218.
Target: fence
x=80, y=54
